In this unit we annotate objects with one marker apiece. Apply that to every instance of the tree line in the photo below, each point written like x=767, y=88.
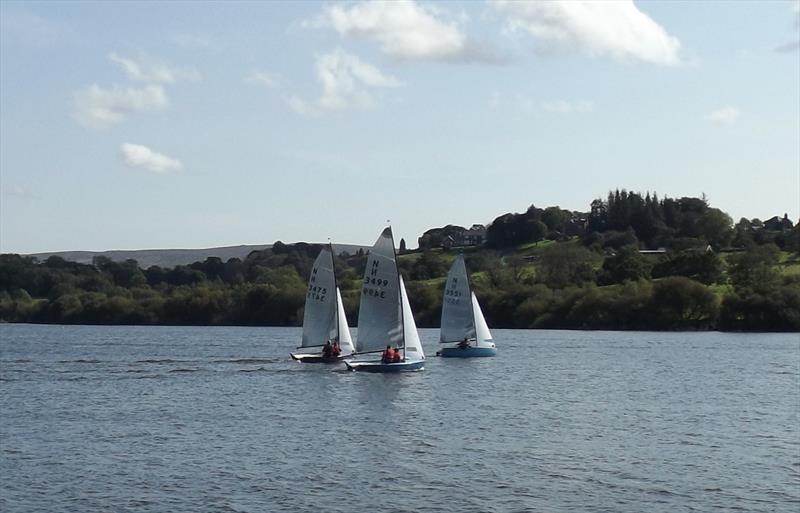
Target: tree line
x=545, y=268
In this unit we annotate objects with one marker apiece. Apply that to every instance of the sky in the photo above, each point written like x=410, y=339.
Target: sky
x=199, y=124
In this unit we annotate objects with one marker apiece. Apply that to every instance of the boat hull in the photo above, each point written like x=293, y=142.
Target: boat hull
x=317, y=358
x=376, y=366
x=467, y=352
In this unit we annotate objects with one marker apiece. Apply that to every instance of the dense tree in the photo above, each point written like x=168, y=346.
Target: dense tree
x=549, y=285
x=703, y=266
x=753, y=310
x=626, y=265
x=714, y=226
x=565, y=264
x=437, y=237
x=429, y=265
x=754, y=269
x=513, y=229
x=682, y=303
x=656, y=223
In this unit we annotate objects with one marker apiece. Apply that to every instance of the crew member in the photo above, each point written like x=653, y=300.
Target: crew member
x=388, y=355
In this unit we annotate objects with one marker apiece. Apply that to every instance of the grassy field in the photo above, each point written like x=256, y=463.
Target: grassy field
x=789, y=264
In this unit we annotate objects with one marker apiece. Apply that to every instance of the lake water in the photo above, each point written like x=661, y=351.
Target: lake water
x=220, y=419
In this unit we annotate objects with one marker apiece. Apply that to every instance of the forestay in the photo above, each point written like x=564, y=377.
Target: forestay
x=320, y=316
x=379, y=316
x=458, y=321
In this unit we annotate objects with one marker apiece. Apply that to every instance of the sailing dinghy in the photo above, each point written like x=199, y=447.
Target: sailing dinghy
x=384, y=316
x=462, y=319
x=324, y=319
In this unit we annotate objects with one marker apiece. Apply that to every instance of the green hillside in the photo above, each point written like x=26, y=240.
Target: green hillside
x=629, y=263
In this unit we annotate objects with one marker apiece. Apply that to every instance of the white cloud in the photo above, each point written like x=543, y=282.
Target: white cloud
x=615, y=28
x=302, y=107
x=568, y=107
x=96, y=107
x=345, y=79
x=136, y=155
x=529, y=104
x=727, y=115
x=261, y=78
x=404, y=29
x=153, y=71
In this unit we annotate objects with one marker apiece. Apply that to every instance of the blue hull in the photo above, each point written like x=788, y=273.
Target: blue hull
x=466, y=352
x=385, y=367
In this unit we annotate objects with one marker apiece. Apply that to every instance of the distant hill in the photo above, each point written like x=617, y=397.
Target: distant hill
x=173, y=257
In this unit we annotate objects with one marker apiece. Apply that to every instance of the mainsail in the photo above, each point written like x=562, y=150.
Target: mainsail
x=458, y=320
x=380, y=320
x=320, y=322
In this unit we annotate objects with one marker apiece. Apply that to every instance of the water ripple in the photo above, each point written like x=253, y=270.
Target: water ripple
x=220, y=419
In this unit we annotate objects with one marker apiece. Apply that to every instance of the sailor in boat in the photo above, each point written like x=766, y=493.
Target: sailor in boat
x=388, y=355
x=396, y=358
x=327, y=349
x=464, y=343
x=337, y=349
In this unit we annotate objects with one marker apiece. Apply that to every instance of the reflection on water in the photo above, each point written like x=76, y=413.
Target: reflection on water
x=220, y=419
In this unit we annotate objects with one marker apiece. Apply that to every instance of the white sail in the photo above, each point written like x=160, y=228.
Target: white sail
x=413, y=346
x=379, y=315
x=319, y=318
x=481, y=328
x=345, y=340
x=458, y=322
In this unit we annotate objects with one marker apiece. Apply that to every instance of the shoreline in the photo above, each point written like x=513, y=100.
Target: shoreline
x=626, y=330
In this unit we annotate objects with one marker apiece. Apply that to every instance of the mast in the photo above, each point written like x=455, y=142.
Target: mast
x=400, y=293
x=469, y=295
x=335, y=293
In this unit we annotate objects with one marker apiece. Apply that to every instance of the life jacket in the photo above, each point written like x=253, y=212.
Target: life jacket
x=396, y=358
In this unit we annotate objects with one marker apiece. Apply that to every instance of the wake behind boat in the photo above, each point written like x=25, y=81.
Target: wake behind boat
x=385, y=317
x=463, y=323
x=324, y=322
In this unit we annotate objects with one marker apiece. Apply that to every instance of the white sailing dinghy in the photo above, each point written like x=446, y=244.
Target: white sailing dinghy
x=324, y=319
x=462, y=319
x=384, y=317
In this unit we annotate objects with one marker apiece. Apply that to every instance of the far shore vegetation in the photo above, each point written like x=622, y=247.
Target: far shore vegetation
x=632, y=262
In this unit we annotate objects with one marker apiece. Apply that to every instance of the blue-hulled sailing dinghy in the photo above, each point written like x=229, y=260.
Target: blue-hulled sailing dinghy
x=463, y=326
